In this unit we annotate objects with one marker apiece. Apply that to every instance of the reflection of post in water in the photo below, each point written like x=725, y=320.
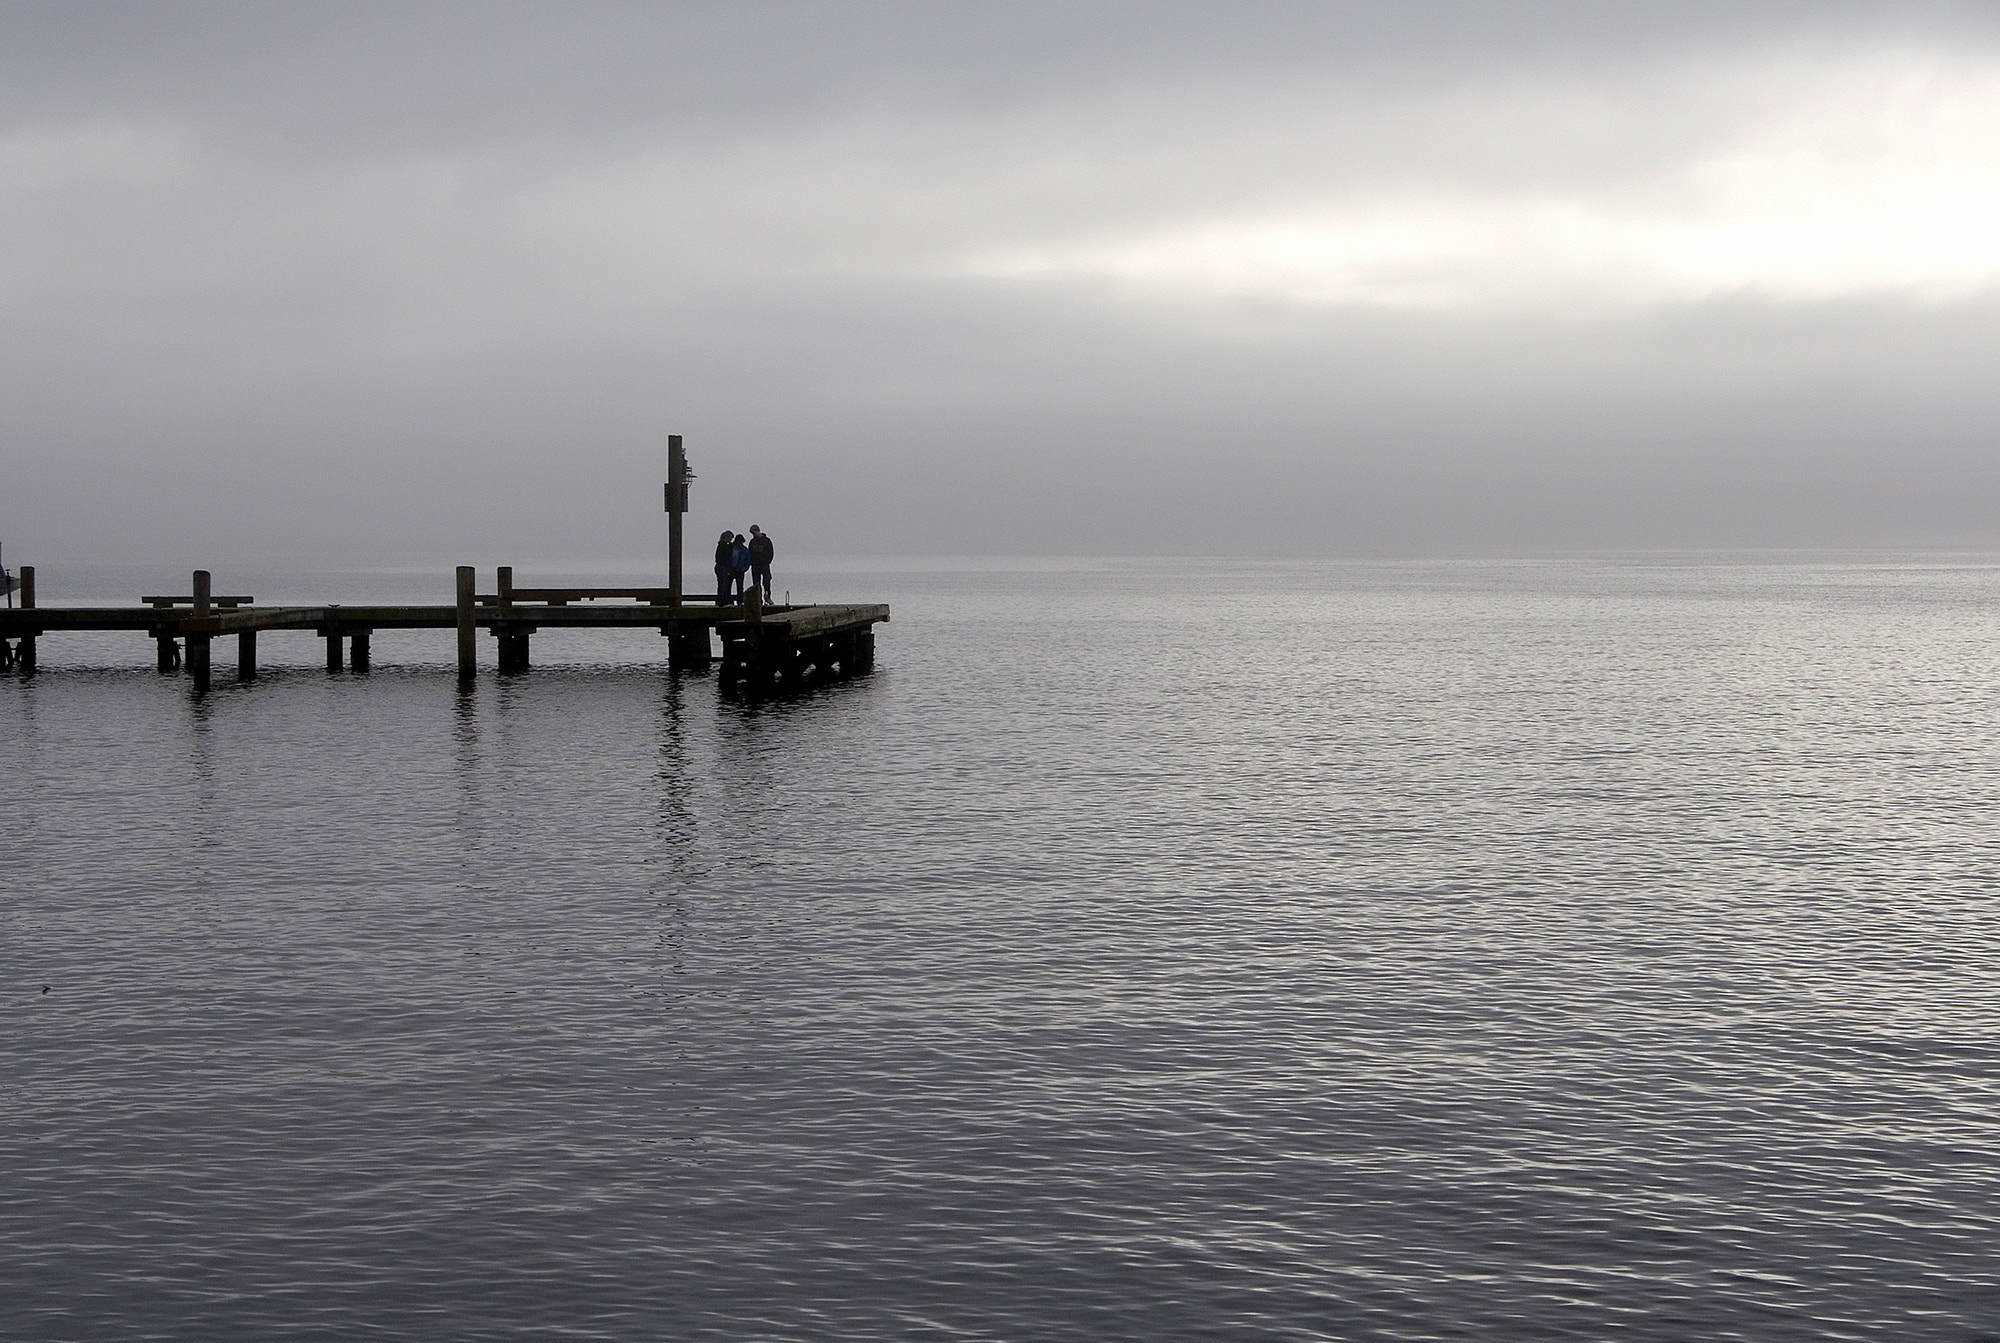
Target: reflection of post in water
x=467, y=762
x=201, y=759
x=676, y=834
x=677, y=823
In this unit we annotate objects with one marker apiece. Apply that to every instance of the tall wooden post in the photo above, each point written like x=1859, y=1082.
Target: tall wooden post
x=359, y=644
x=25, y=656
x=468, y=642
x=197, y=643
x=677, y=507
x=246, y=655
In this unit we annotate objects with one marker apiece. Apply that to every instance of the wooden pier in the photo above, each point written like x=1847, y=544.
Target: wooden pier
x=763, y=648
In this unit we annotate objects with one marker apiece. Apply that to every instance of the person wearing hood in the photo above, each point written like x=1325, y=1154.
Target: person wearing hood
x=725, y=567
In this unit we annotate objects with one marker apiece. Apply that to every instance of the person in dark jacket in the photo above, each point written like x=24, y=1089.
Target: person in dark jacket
x=725, y=567
x=762, y=552
x=739, y=560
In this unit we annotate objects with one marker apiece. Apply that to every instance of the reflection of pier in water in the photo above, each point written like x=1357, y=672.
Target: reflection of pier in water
x=763, y=647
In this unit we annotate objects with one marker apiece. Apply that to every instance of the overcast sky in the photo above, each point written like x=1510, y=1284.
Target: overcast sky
x=437, y=280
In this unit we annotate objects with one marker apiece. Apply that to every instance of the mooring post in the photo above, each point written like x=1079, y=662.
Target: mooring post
x=246, y=655
x=333, y=658
x=197, y=643
x=753, y=605
x=359, y=660
x=24, y=655
x=505, y=576
x=468, y=643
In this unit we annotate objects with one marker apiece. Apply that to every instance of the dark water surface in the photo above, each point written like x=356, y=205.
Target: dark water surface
x=1599, y=949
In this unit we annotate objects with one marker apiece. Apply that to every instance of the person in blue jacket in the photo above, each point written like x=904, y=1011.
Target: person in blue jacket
x=739, y=561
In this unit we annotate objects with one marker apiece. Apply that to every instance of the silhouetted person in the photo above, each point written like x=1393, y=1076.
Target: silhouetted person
x=725, y=567
x=739, y=559
x=762, y=552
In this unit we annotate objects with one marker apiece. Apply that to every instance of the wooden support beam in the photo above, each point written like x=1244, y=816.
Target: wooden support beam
x=333, y=650
x=220, y=601
x=505, y=584
x=202, y=607
x=564, y=596
x=169, y=652
x=359, y=650
x=468, y=642
x=246, y=655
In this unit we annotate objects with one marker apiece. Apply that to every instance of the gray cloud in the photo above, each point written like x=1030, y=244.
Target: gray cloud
x=435, y=280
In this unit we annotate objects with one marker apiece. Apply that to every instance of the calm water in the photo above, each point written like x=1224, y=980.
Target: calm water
x=1146, y=951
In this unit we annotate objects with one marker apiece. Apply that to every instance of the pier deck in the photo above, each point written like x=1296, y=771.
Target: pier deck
x=762, y=647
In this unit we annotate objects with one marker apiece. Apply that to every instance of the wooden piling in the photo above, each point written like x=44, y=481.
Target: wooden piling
x=246, y=655
x=511, y=640
x=197, y=644
x=333, y=650
x=512, y=644
x=358, y=659
x=688, y=647
x=468, y=642
x=24, y=653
